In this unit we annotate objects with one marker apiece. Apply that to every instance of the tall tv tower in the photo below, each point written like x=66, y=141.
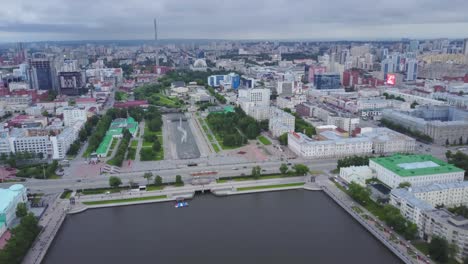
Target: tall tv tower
x=156, y=40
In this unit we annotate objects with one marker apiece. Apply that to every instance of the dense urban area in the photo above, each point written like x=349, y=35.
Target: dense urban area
x=381, y=127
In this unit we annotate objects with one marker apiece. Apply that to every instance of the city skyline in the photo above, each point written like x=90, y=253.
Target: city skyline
x=208, y=19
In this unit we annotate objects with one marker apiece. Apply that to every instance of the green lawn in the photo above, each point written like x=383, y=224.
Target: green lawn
x=264, y=140
x=113, y=144
x=134, y=143
x=270, y=186
x=147, y=144
x=154, y=188
x=215, y=147
x=126, y=200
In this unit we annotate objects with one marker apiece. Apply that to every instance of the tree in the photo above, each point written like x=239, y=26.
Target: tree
x=453, y=250
x=114, y=181
x=148, y=176
x=156, y=146
x=256, y=172
x=178, y=180
x=132, y=184
x=301, y=169
x=404, y=185
x=359, y=193
x=448, y=154
x=439, y=249
x=283, y=139
x=447, y=142
x=414, y=104
x=158, y=181
x=21, y=210
x=20, y=241
x=460, y=141
x=283, y=168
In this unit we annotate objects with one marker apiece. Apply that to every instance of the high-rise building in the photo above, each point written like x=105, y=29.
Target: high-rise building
x=414, y=46
x=465, y=47
x=411, y=68
x=41, y=74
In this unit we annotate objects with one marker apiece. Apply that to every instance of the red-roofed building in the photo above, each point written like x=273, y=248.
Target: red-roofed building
x=85, y=100
x=137, y=103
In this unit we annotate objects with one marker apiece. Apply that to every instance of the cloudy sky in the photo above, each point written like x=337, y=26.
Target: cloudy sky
x=30, y=20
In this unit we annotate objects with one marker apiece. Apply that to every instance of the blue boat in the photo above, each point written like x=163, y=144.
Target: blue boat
x=181, y=204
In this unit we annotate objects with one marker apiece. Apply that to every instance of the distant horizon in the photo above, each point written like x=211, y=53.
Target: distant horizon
x=242, y=40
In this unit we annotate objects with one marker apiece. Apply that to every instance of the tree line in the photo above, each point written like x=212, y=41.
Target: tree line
x=300, y=125
x=21, y=239
x=235, y=128
x=459, y=159
x=387, y=213
x=119, y=156
x=353, y=161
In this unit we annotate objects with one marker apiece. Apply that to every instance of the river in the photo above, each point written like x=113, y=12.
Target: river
x=276, y=227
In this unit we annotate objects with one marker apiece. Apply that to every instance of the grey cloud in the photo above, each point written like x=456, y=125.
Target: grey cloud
x=101, y=19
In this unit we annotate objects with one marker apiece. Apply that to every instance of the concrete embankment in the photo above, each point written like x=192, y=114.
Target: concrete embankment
x=371, y=229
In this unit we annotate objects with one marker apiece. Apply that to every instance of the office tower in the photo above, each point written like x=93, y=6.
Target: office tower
x=411, y=69
x=41, y=74
x=465, y=47
x=414, y=46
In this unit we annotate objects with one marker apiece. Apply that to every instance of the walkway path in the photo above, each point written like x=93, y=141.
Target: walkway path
x=140, y=140
x=210, y=132
x=50, y=222
x=380, y=230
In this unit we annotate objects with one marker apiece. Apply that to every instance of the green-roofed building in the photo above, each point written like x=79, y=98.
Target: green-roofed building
x=116, y=131
x=419, y=170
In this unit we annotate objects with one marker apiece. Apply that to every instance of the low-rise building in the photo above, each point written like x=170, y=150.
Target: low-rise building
x=9, y=200
x=385, y=141
x=418, y=170
x=357, y=174
x=305, y=147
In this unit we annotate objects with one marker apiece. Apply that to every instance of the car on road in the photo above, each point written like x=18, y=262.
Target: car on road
x=263, y=170
x=234, y=168
x=78, y=180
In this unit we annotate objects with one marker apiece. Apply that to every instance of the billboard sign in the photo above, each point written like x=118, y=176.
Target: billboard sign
x=391, y=79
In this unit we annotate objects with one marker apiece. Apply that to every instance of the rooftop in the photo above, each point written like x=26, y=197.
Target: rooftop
x=415, y=165
x=8, y=195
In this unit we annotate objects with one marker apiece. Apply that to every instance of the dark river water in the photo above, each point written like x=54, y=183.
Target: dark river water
x=276, y=227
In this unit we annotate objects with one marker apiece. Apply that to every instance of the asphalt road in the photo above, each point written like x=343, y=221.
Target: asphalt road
x=75, y=183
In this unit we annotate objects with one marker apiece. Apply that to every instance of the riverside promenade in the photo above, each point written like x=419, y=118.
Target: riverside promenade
x=399, y=246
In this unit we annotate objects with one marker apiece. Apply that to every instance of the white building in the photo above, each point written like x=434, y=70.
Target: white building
x=417, y=204
x=62, y=142
x=258, y=96
x=385, y=141
x=280, y=122
x=74, y=114
x=5, y=147
x=419, y=170
x=255, y=102
x=357, y=174
x=305, y=147
x=32, y=141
